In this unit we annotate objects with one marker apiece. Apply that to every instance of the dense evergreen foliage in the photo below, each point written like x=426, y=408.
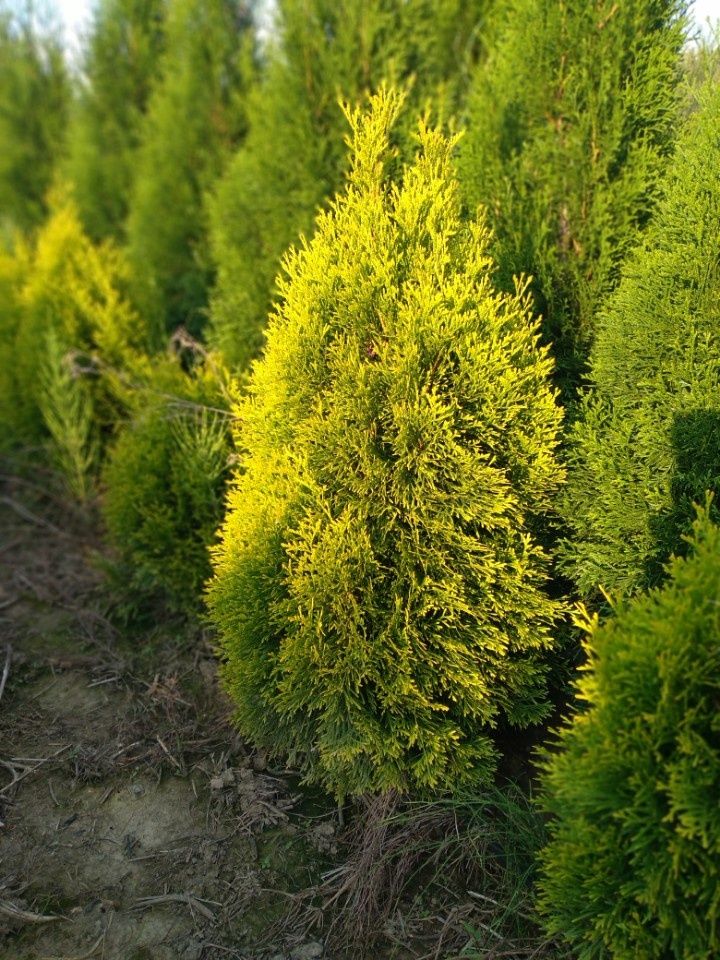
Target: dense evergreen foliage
x=66, y=403
x=569, y=124
x=12, y=269
x=380, y=587
x=295, y=154
x=368, y=489
x=633, y=866
x=34, y=95
x=648, y=442
x=119, y=66
x=195, y=116
x=164, y=482
x=67, y=288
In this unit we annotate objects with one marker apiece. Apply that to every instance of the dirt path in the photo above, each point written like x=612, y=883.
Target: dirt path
x=135, y=824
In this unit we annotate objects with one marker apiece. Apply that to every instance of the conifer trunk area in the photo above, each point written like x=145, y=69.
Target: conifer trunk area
x=359, y=477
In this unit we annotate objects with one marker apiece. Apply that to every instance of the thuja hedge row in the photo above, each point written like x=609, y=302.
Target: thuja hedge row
x=384, y=587
x=633, y=869
x=646, y=444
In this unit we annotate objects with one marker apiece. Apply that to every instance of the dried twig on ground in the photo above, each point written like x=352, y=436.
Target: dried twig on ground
x=405, y=876
x=188, y=899
x=26, y=916
x=6, y=670
x=16, y=764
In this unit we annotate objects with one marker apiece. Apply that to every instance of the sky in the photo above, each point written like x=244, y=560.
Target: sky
x=74, y=14
x=707, y=8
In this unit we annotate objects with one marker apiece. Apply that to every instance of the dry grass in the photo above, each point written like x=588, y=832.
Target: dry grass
x=432, y=881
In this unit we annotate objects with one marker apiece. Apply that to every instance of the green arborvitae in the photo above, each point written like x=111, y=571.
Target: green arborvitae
x=66, y=403
x=701, y=64
x=295, y=154
x=34, y=97
x=13, y=266
x=570, y=121
x=632, y=871
x=647, y=443
x=164, y=482
x=72, y=289
x=196, y=115
x=119, y=65
x=380, y=585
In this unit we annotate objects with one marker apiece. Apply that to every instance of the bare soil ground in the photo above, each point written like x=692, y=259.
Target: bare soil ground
x=135, y=825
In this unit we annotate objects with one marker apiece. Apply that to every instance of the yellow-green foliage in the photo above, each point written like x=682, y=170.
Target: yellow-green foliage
x=295, y=157
x=75, y=289
x=570, y=122
x=633, y=868
x=66, y=404
x=34, y=97
x=646, y=443
x=12, y=267
x=164, y=481
x=380, y=585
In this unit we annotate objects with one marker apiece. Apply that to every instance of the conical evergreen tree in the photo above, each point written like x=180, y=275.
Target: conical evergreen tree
x=34, y=97
x=119, y=66
x=647, y=444
x=72, y=290
x=570, y=121
x=380, y=585
x=195, y=116
x=295, y=154
x=633, y=866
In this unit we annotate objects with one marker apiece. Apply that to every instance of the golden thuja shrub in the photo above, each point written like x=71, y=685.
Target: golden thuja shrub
x=380, y=585
x=72, y=338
